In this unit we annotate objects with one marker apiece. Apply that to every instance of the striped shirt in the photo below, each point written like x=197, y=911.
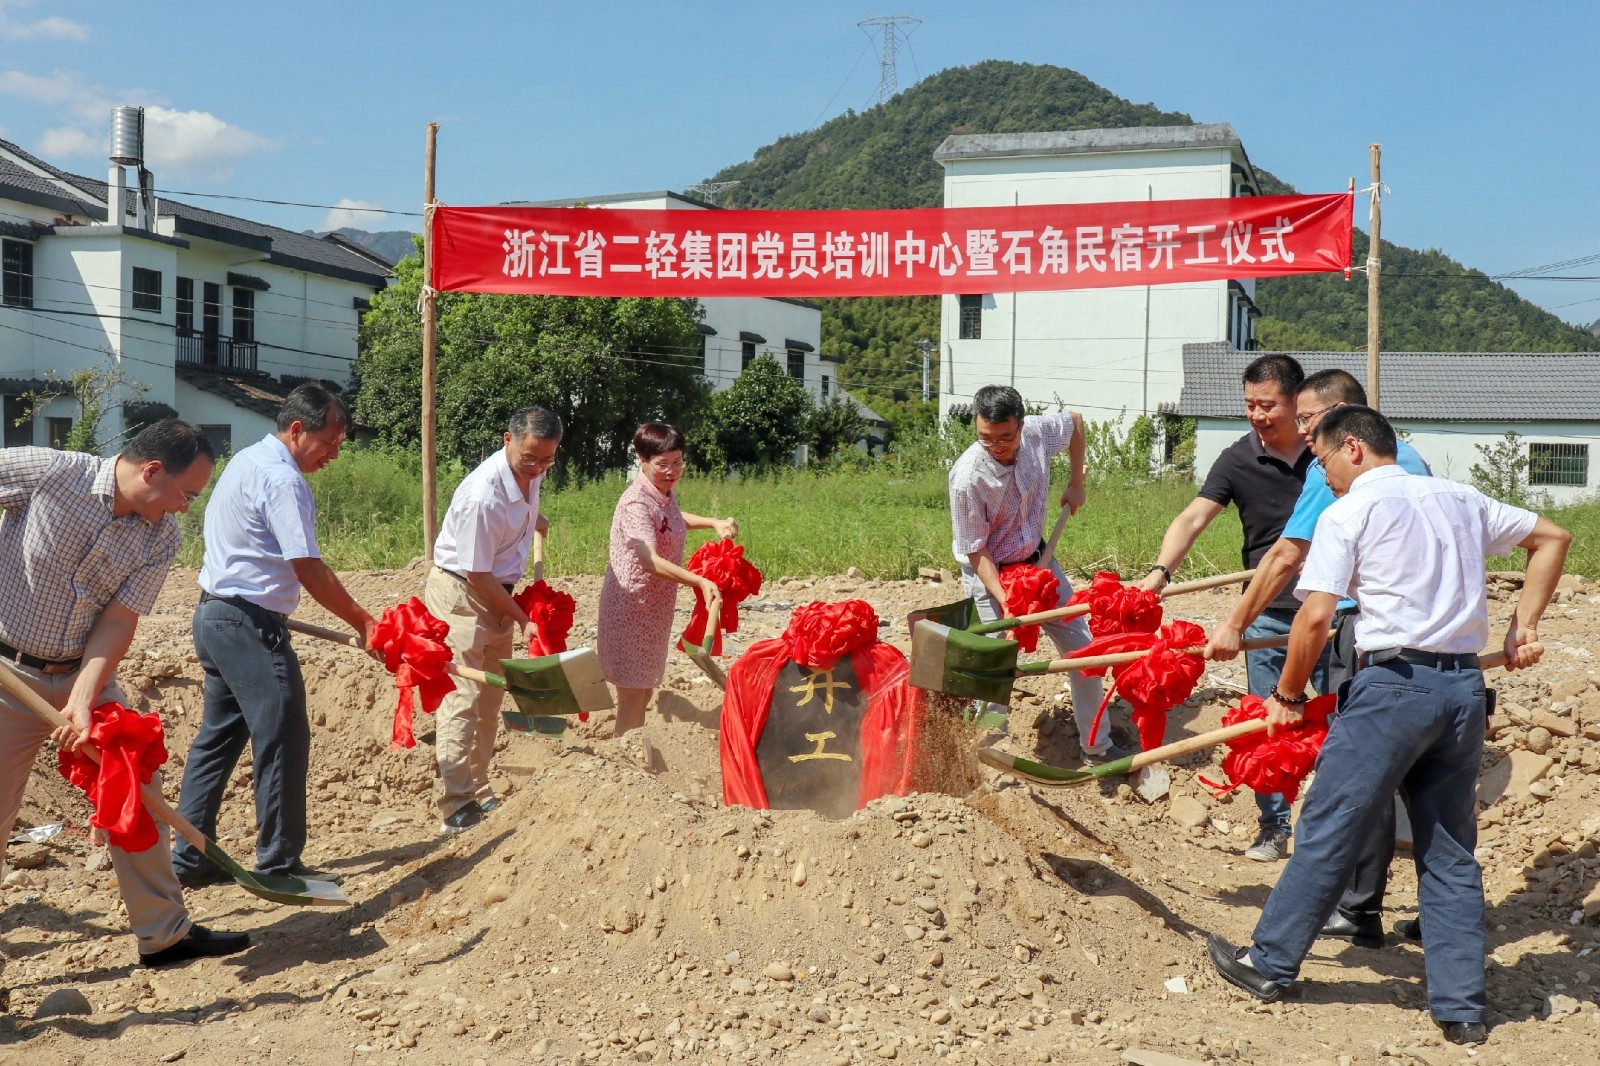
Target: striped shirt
x=1002, y=508
x=64, y=557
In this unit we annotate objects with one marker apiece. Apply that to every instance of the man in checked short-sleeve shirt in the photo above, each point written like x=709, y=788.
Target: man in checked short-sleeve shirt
x=999, y=496
x=85, y=545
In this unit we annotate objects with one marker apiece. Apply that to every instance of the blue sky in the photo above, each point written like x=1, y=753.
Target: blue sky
x=1486, y=111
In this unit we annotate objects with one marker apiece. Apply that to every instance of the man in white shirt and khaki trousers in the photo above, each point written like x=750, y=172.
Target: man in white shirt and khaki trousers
x=1411, y=552
x=480, y=555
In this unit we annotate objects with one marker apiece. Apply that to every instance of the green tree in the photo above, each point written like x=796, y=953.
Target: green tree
x=96, y=390
x=1503, y=473
x=603, y=365
x=762, y=417
x=834, y=425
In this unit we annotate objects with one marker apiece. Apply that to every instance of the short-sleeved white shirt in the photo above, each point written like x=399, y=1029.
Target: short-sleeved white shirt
x=1410, y=550
x=261, y=517
x=489, y=526
x=1002, y=508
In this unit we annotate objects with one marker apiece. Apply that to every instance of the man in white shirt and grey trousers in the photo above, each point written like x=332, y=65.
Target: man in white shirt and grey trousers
x=1411, y=552
x=481, y=554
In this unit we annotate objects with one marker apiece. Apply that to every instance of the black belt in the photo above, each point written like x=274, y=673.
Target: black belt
x=1432, y=659
x=1030, y=560
x=243, y=604
x=510, y=589
x=22, y=658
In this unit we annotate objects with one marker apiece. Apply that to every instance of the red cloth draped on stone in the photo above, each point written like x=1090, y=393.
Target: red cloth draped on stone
x=132, y=747
x=1118, y=608
x=1154, y=684
x=1273, y=764
x=818, y=636
x=551, y=612
x=412, y=643
x=724, y=563
x=1029, y=589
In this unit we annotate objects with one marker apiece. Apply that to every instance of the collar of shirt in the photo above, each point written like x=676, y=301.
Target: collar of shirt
x=1377, y=474
x=650, y=488
x=105, y=481
x=1258, y=449
x=506, y=479
x=280, y=450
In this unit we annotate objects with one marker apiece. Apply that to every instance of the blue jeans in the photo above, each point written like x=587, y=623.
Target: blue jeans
x=1418, y=729
x=1261, y=672
x=1067, y=634
x=253, y=694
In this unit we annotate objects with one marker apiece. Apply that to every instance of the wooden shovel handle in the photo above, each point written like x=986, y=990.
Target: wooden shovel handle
x=1487, y=661
x=154, y=801
x=350, y=640
x=1049, y=551
x=538, y=556
x=1075, y=609
x=1090, y=662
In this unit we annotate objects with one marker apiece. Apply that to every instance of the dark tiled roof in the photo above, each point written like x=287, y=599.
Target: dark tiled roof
x=868, y=414
x=1422, y=386
x=260, y=393
x=57, y=189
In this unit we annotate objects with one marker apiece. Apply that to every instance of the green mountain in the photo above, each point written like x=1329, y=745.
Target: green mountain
x=883, y=157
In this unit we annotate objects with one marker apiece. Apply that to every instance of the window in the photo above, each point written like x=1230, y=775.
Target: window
x=747, y=355
x=56, y=431
x=971, y=318
x=221, y=438
x=1558, y=464
x=184, y=302
x=16, y=436
x=824, y=386
x=146, y=290
x=244, y=315
x=797, y=364
x=18, y=257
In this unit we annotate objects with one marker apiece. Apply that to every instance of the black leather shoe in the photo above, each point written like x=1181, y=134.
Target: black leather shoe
x=1410, y=928
x=463, y=819
x=203, y=876
x=198, y=943
x=1229, y=962
x=1464, y=1032
x=1363, y=934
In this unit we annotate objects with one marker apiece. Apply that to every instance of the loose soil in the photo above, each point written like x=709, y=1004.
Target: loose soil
x=611, y=909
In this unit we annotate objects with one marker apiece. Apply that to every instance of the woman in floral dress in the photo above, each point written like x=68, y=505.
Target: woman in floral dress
x=646, y=567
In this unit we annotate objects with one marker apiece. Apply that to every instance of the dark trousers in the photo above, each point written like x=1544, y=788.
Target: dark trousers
x=1418, y=729
x=1369, y=879
x=253, y=694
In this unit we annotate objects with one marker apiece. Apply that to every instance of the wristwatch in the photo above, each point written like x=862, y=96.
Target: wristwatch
x=1166, y=573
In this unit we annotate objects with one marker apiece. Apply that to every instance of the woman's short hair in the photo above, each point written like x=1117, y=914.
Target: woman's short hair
x=657, y=438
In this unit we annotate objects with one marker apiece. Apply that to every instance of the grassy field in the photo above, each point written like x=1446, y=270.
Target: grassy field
x=888, y=520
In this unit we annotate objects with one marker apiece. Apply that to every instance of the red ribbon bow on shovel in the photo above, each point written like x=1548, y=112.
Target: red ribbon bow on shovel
x=411, y=641
x=132, y=747
x=724, y=563
x=1029, y=589
x=1278, y=763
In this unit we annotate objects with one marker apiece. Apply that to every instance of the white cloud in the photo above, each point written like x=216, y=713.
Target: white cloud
x=66, y=141
x=197, y=142
x=52, y=27
x=347, y=212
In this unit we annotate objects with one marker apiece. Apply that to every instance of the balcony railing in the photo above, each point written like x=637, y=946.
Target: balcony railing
x=210, y=351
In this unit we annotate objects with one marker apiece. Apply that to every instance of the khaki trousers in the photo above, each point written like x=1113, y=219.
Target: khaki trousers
x=149, y=887
x=468, y=719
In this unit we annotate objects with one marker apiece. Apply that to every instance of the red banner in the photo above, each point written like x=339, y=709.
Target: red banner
x=577, y=251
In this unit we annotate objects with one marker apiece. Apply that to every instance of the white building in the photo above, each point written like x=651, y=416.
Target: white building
x=1449, y=403
x=738, y=329
x=217, y=317
x=1101, y=351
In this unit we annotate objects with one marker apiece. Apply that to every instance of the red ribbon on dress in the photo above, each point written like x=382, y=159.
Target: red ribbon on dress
x=132, y=747
x=550, y=610
x=724, y=563
x=1273, y=764
x=412, y=642
x=1029, y=589
x=1118, y=608
x=1154, y=684
x=820, y=634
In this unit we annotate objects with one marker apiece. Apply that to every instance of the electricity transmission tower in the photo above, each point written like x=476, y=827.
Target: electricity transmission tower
x=890, y=24
x=710, y=190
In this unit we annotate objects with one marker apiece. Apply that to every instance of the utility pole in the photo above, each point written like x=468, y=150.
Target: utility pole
x=430, y=347
x=1374, y=268
x=888, y=85
x=926, y=348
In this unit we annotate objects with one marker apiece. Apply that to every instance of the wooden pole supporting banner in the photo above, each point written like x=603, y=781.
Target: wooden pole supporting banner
x=430, y=355
x=1374, y=268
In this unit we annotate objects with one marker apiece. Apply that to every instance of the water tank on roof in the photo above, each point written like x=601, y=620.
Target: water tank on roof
x=127, y=136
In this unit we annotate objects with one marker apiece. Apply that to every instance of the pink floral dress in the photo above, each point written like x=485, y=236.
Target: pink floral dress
x=636, y=606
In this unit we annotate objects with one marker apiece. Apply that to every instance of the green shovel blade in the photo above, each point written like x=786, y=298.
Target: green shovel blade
x=1041, y=773
x=962, y=614
x=553, y=686
x=294, y=891
x=961, y=663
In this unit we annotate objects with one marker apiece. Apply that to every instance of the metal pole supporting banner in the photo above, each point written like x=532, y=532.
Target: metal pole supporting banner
x=430, y=352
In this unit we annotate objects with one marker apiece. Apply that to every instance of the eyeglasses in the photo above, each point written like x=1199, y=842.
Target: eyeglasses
x=1323, y=458
x=1003, y=441
x=667, y=468
x=1302, y=421
x=187, y=494
x=541, y=464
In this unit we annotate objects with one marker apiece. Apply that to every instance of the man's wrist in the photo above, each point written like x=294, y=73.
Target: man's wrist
x=1166, y=572
x=1290, y=701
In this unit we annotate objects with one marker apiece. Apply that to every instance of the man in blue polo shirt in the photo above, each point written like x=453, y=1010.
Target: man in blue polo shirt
x=1359, y=918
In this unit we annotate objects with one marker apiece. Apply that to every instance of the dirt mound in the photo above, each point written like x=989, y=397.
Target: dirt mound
x=613, y=911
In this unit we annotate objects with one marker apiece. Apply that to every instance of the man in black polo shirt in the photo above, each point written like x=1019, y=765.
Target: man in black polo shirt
x=1261, y=474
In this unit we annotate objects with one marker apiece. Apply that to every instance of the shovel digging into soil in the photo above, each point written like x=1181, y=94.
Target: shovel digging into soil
x=546, y=689
x=294, y=891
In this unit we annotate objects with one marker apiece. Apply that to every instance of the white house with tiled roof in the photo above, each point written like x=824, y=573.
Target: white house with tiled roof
x=1448, y=403
x=217, y=317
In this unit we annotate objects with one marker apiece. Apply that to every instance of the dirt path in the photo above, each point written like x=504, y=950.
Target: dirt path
x=612, y=911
